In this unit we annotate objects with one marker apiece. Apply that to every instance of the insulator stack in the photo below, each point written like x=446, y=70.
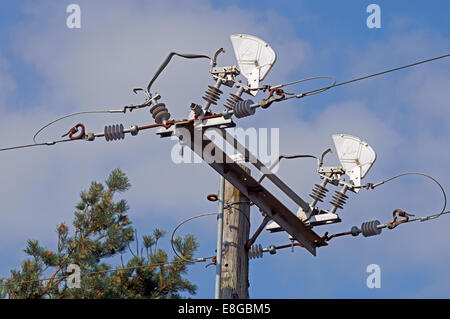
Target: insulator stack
x=243, y=109
x=256, y=251
x=232, y=100
x=114, y=132
x=212, y=95
x=160, y=113
x=370, y=228
x=319, y=192
x=339, y=199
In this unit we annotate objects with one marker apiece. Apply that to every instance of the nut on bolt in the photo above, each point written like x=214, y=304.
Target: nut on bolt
x=134, y=130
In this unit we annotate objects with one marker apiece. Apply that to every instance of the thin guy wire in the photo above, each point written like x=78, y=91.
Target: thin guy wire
x=227, y=206
x=312, y=92
x=425, y=175
x=392, y=70
x=286, y=157
x=178, y=226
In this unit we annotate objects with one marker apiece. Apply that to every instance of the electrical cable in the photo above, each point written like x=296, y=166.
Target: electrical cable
x=167, y=60
x=433, y=216
x=195, y=56
x=372, y=185
x=312, y=92
x=227, y=206
x=305, y=80
x=368, y=76
x=36, y=144
x=286, y=157
x=173, y=235
x=392, y=70
x=167, y=125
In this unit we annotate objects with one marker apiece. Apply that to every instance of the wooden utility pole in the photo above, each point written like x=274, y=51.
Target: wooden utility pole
x=236, y=230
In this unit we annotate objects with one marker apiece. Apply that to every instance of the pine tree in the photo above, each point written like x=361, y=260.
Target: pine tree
x=102, y=229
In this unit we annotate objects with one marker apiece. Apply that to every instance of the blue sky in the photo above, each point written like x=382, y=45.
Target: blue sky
x=47, y=70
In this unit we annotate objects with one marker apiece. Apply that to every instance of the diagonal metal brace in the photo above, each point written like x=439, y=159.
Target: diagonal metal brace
x=248, y=186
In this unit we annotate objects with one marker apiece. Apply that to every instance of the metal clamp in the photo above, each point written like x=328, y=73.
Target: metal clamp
x=397, y=221
x=212, y=197
x=74, y=130
x=265, y=103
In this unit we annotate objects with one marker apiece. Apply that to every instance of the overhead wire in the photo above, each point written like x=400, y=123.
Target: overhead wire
x=315, y=91
x=433, y=216
x=286, y=157
x=167, y=60
x=226, y=206
x=100, y=272
x=392, y=70
x=69, y=115
x=196, y=56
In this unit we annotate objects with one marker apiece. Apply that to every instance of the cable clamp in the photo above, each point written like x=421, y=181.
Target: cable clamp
x=213, y=262
x=397, y=221
x=265, y=103
x=368, y=186
x=74, y=130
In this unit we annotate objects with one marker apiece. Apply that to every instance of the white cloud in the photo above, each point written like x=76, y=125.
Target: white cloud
x=7, y=83
x=121, y=45
x=114, y=51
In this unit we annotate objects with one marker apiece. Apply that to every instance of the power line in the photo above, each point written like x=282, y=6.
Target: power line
x=392, y=70
x=227, y=206
x=193, y=56
x=104, y=271
x=320, y=90
x=36, y=144
x=178, y=226
x=69, y=115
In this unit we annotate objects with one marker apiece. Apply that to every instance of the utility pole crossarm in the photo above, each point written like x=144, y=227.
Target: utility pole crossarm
x=254, y=191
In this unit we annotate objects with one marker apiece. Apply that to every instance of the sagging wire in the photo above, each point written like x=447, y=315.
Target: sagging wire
x=130, y=107
x=212, y=198
x=70, y=115
x=286, y=157
x=368, y=229
x=173, y=235
x=183, y=55
x=91, y=136
x=264, y=102
x=147, y=102
x=334, y=84
x=433, y=216
x=38, y=144
x=230, y=206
